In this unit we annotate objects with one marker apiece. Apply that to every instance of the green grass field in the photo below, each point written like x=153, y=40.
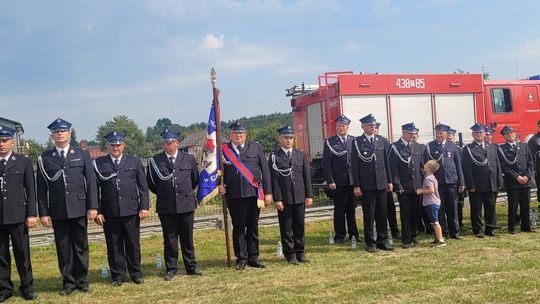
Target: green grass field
x=504, y=269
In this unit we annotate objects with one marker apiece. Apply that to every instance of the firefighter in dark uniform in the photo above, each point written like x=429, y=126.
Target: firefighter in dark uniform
x=517, y=167
x=372, y=179
x=67, y=195
x=489, y=134
x=242, y=197
x=534, y=146
x=483, y=178
x=462, y=195
x=337, y=169
x=18, y=213
x=172, y=175
x=449, y=177
x=405, y=158
x=292, y=193
x=390, y=204
x=123, y=203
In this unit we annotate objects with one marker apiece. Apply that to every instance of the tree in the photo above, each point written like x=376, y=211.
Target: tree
x=73, y=141
x=33, y=148
x=135, y=141
x=267, y=136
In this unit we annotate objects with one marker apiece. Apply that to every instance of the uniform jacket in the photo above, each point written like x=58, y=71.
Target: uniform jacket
x=252, y=156
x=406, y=176
x=483, y=178
x=449, y=158
x=534, y=146
x=126, y=193
x=79, y=193
x=18, y=195
x=295, y=187
x=174, y=195
x=337, y=169
x=522, y=167
x=373, y=174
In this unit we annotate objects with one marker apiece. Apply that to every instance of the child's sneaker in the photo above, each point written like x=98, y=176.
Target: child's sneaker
x=438, y=243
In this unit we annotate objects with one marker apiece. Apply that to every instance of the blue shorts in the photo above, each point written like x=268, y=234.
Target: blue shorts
x=433, y=213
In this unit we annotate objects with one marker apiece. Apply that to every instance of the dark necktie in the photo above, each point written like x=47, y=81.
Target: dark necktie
x=2, y=165
x=116, y=164
x=371, y=140
x=62, y=155
x=171, y=160
x=240, y=148
x=289, y=154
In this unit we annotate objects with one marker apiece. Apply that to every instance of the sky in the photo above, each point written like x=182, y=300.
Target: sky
x=89, y=61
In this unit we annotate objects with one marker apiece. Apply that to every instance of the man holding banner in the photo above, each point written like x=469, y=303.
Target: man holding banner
x=247, y=185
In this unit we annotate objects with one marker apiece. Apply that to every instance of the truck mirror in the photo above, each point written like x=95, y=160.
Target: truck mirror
x=493, y=124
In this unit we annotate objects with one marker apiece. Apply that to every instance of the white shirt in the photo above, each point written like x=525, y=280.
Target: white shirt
x=369, y=137
x=287, y=150
x=481, y=144
x=114, y=158
x=235, y=147
x=6, y=158
x=406, y=143
x=59, y=150
x=174, y=156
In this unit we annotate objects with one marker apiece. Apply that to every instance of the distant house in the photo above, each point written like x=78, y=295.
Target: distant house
x=17, y=126
x=192, y=144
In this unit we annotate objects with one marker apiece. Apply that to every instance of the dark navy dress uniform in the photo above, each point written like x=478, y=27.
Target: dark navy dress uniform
x=516, y=160
x=450, y=177
x=371, y=172
x=482, y=172
x=17, y=202
x=173, y=185
x=123, y=192
x=391, y=214
x=405, y=159
x=242, y=198
x=291, y=184
x=337, y=169
x=66, y=190
x=534, y=146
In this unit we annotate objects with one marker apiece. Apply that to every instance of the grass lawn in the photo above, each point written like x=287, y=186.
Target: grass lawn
x=504, y=269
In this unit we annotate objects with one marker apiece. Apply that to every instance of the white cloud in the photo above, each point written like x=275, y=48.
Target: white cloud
x=211, y=42
x=384, y=10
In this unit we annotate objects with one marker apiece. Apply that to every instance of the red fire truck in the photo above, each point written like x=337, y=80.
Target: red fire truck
x=458, y=100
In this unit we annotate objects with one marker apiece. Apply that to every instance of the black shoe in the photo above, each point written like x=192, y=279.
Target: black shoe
x=479, y=235
x=256, y=264
x=358, y=239
x=456, y=237
x=292, y=260
x=138, y=280
x=5, y=295
x=84, y=288
x=385, y=247
x=169, y=275
x=241, y=265
x=66, y=291
x=194, y=271
x=371, y=248
x=29, y=295
x=490, y=233
x=407, y=246
x=339, y=241
x=117, y=283
x=302, y=259
x=396, y=236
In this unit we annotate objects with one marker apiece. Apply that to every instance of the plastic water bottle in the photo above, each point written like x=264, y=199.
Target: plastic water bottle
x=330, y=238
x=159, y=264
x=104, y=272
x=533, y=218
x=390, y=239
x=279, y=250
x=354, y=244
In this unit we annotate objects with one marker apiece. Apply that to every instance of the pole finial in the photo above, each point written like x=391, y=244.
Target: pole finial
x=213, y=77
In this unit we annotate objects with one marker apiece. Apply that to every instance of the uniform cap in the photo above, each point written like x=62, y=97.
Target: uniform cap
x=169, y=135
x=6, y=132
x=59, y=124
x=409, y=127
x=368, y=120
x=442, y=127
x=342, y=119
x=489, y=131
x=115, y=137
x=238, y=127
x=507, y=129
x=286, y=130
x=478, y=127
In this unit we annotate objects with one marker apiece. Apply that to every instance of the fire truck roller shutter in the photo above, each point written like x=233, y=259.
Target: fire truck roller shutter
x=358, y=106
x=314, y=124
x=412, y=108
x=458, y=111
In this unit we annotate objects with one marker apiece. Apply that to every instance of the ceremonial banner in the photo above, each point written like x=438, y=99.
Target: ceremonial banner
x=210, y=163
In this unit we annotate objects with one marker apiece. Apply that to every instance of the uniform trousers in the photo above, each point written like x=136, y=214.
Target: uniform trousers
x=344, y=212
x=448, y=212
x=487, y=201
x=71, y=239
x=374, y=209
x=291, y=227
x=409, y=212
x=122, y=235
x=519, y=197
x=245, y=220
x=178, y=227
x=18, y=233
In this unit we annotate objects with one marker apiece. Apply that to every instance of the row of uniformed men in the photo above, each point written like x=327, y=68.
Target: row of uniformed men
x=370, y=167
x=113, y=191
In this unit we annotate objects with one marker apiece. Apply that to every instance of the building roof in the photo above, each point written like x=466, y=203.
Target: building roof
x=12, y=124
x=196, y=139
